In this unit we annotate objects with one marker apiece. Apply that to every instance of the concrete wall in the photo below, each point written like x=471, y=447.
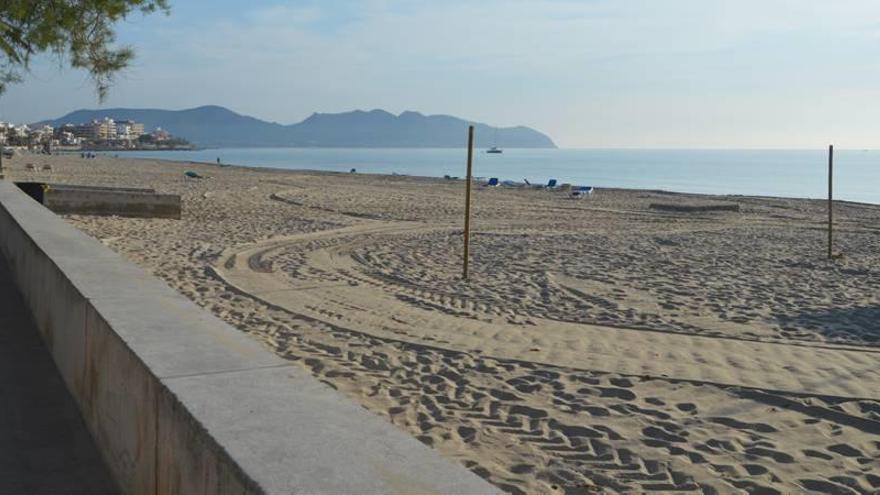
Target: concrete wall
x=61, y=199
x=178, y=402
x=87, y=200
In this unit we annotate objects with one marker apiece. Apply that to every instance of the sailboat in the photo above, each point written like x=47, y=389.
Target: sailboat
x=495, y=149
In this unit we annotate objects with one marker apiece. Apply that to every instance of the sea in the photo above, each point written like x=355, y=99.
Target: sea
x=781, y=173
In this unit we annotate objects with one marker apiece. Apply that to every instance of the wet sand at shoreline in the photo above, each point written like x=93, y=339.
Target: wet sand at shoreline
x=600, y=345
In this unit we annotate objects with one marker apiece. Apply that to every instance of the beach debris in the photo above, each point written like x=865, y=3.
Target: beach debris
x=192, y=175
x=30, y=166
x=47, y=167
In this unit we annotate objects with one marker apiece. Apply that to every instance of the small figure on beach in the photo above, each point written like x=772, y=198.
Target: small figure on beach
x=354, y=170
x=218, y=160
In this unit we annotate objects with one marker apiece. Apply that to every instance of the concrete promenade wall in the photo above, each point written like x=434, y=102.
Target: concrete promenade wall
x=179, y=402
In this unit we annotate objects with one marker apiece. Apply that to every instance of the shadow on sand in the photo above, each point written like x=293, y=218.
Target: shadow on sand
x=855, y=325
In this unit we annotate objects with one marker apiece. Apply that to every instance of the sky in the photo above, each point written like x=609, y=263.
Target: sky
x=589, y=73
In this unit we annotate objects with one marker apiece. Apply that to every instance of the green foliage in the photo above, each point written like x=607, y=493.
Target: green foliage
x=80, y=31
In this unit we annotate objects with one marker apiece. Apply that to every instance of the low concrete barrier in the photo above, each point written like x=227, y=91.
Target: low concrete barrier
x=179, y=402
x=89, y=200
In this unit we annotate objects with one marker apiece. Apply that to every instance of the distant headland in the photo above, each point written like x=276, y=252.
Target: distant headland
x=215, y=126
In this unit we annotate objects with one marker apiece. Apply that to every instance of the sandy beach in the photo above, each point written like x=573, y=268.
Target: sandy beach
x=600, y=346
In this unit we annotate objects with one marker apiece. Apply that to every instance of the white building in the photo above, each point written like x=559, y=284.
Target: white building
x=129, y=130
x=123, y=130
x=68, y=138
x=108, y=128
x=21, y=131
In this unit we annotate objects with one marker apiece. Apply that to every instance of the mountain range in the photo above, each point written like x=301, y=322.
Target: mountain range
x=215, y=126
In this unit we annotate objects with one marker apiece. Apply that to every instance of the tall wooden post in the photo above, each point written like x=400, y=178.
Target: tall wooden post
x=467, y=200
x=2, y=147
x=830, y=197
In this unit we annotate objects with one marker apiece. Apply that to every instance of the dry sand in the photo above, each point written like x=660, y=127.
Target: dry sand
x=600, y=346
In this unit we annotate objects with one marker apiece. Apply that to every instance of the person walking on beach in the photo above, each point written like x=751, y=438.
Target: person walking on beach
x=218, y=160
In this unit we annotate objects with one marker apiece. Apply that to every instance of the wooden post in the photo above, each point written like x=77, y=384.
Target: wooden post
x=467, y=200
x=830, y=197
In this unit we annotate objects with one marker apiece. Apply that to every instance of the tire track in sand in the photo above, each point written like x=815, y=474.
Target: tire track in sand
x=373, y=308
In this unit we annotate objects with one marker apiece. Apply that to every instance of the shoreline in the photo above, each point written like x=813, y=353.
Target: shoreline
x=705, y=189
x=441, y=179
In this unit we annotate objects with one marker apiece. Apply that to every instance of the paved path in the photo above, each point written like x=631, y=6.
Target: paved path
x=44, y=445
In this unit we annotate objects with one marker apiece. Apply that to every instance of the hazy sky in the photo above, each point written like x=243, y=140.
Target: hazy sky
x=590, y=73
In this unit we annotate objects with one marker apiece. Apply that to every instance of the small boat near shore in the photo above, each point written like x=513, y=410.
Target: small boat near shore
x=494, y=149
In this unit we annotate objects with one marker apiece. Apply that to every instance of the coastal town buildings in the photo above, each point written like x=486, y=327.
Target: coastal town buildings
x=4, y=129
x=96, y=130
x=17, y=135
x=161, y=134
x=106, y=133
x=129, y=130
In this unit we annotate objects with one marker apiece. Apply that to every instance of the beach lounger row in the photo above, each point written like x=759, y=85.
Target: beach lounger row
x=495, y=182
x=579, y=192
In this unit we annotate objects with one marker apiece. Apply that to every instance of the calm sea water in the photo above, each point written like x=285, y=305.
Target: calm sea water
x=789, y=173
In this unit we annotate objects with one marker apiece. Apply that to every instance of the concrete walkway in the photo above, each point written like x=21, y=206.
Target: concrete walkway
x=44, y=445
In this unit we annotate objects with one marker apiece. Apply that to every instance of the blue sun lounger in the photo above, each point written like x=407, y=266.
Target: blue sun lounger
x=493, y=182
x=582, y=192
x=551, y=184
